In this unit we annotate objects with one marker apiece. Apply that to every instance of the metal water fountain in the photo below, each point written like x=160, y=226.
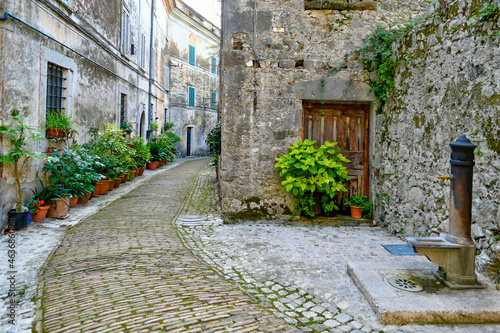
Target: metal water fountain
x=455, y=253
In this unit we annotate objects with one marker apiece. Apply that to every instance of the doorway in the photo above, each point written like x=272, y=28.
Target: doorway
x=188, y=141
x=346, y=124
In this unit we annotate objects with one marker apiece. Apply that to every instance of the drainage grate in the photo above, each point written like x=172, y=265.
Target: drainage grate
x=403, y=283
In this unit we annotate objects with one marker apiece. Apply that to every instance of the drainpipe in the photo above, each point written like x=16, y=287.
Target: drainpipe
x=151, y=43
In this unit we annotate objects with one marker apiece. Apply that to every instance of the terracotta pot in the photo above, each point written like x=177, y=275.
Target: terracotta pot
x=40, y=216
x=59, y=207
x=74, y=201
x=53, y=133
x=136, y=172
x=105, y=186
x=118, y=181
x=141, y=170
x=97, y=189
x=111, y=185
x=356, y=212
x=50, y=150
x=86, y=198
x=151, y=165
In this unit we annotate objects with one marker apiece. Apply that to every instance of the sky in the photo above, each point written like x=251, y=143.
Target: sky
x=210, y=9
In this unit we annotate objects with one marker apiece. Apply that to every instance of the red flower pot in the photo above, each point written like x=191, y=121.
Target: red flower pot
x=105, y=186
x=97, y=189
x=111, y=185
x=118, y=181
x=58, y=207
x=86, y=198
x=151, y=165
x=356, y=212
x=40, y=216
x=141, y=170
x=74, y=201
x=136, y=172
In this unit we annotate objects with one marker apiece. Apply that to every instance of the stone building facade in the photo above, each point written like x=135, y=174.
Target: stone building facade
x=287, y=66
x=194, y=65
x=113, y=60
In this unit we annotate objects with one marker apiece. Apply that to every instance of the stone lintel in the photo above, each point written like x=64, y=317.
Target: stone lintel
x=333, y=89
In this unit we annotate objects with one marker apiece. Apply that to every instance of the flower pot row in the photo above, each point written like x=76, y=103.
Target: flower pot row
x=156, y=164
x=59, y=207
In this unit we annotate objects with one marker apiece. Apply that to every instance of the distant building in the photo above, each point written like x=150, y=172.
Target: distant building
x=194, y=77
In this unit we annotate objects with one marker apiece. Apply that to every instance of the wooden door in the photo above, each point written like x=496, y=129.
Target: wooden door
x=346, y=124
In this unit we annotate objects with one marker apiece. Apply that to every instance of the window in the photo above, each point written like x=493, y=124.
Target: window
x=167, y=77
x=192, y=55
x=213, y=101
x=191, y=96
x=143, y=51
x=55, y=88
x=214, y=66
x=125, y=32
x=123, y=107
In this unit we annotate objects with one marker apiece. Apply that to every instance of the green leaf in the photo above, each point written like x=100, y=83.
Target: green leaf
x=289, y=187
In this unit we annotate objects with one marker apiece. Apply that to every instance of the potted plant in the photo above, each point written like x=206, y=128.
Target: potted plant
x=18, y=155
x=154, y=127
x=59, y=125
x=167, y=126
x=359, y=206
x=40, y=199
x=126, y=127
x=313, y=176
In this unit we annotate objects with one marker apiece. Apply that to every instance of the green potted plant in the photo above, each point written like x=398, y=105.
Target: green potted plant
x=40, y=199
x=167, y=126
x=18, y=155
x=59, y=125
x=359, y=206
x=126, y=127
x=313, y=176
x=154, y=127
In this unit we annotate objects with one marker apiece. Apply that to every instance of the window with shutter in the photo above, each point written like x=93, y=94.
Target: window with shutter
x=143, y=51
x=213, y=101
x=125, y=32
x=214, y=65
x=191, y=96
x=192, y=55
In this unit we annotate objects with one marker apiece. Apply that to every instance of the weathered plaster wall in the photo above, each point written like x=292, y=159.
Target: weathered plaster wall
x=188, y=28
x=263, y=89
x=449, y=87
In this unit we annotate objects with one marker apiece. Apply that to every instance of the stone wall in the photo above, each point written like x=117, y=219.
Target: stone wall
x=449, y=85
x=268, y=74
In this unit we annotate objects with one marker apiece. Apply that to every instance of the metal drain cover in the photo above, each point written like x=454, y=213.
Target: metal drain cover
x=403, y=283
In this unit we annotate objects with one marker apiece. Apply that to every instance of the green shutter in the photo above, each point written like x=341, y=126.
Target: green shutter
x=192, y=55
x=191, y=96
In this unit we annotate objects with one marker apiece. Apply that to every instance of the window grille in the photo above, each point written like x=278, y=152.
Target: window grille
x=123, y=107
x=192, y=55
x=191, y=96
x=55, y=87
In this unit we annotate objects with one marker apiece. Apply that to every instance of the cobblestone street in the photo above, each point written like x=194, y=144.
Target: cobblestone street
x=126, y=270
x=159, y=258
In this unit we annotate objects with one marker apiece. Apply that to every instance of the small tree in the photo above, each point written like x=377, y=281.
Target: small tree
x=19, y=134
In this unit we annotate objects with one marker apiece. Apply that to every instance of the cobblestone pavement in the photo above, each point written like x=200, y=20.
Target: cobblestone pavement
x=298, y=273
x=125, y=269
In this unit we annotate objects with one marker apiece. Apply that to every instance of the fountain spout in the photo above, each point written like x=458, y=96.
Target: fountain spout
x=455, y=253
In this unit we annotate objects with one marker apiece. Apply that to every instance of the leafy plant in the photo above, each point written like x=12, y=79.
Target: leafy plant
x=309, y=170
x=154, y=127
x=141, y=154
x=487, y=13
x=59, y=119
x=126, y=126
x=19, y=152
x=361, y=202
x=48, y=192
x=213, y=140
x=167, y=126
